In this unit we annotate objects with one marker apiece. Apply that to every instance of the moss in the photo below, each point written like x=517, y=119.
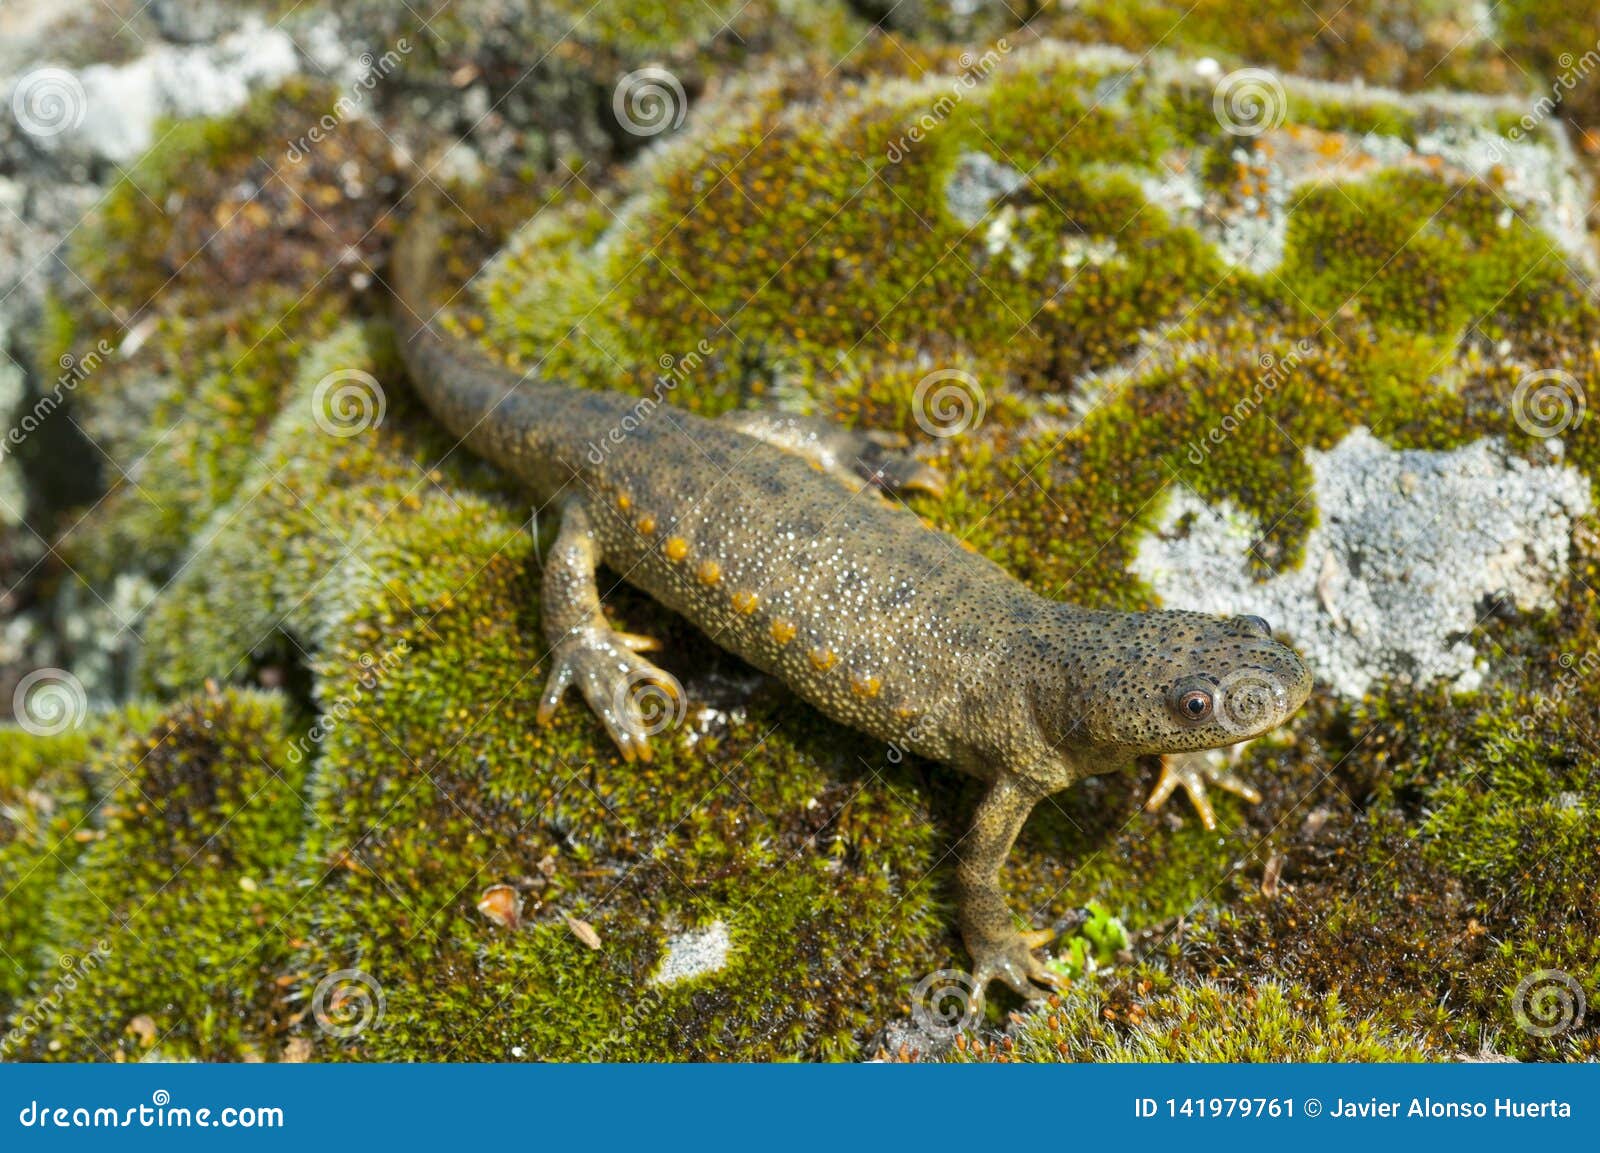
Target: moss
x=198, y=821
x=47, y=817
x=1412, y=44
x=1270, y=1021
x=234, y=258
x=1425, y=253
x=388, y=585
x=1559, y=45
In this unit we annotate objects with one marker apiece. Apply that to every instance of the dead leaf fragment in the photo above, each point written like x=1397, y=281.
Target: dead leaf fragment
x=502, y=905
x=582, y=930
x=144, y=1028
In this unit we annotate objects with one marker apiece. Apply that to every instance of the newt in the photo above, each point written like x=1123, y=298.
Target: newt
x=881, y=622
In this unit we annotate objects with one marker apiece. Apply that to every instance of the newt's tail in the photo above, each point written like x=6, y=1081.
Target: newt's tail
x=476, y=399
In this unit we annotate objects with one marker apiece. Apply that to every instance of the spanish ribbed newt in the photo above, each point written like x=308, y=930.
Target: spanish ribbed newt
x=884, y=624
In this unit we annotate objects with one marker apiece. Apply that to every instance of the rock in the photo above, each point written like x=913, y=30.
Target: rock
x=693, y=954
x=1371, y=299
x=1407, y=546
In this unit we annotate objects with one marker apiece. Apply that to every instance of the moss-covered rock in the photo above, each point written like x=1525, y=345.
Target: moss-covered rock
x=366, y=847
x=1198, y=1022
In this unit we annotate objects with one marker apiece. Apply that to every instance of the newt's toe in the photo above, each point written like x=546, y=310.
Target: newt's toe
x=632, y=698
x=1012, y=961
x=1194, y=773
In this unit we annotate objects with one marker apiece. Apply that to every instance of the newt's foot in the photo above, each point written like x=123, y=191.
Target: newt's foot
x=1194, y=773
x=897, y=472
x=633, y=698
x=1011, y=959
x=852, y=456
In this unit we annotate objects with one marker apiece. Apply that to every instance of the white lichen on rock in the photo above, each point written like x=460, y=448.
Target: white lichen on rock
x=693, y=954
x=1408, y=546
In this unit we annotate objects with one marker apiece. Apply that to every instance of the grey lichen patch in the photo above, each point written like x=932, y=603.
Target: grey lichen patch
x=976, y=183
x=1409, y=545
x=693, y=954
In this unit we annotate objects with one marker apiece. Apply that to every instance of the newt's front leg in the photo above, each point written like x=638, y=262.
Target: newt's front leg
x=586, y=650
x=998, y=949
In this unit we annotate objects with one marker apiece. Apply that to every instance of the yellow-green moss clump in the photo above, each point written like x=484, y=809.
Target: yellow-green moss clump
x=1200, y=1022
x=1063, y=227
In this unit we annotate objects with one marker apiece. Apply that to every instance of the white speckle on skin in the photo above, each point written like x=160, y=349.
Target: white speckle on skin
x=1408, y=545
x=693, y=954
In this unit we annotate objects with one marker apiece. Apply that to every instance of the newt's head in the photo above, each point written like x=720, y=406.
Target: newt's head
x=1171, y=682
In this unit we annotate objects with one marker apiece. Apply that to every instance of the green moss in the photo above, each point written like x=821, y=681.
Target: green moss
x=1265, y=1022
x=391, y=585
x=47, y=816
x=230, y=253
x=1421, y=252
x=1411, y=44
x=185, y=878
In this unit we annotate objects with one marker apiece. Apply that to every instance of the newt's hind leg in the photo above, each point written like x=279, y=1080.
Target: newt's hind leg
x=620, y=686
x=855, y=459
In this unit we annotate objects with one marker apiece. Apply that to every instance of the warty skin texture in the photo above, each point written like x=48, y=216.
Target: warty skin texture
x=882, y=623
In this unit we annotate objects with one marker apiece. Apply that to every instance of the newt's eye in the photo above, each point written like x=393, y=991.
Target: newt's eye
x=1192, y=703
